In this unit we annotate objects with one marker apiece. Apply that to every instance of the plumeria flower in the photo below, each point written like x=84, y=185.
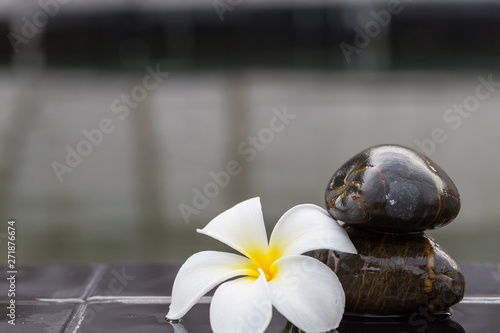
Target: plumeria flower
x=303, y=289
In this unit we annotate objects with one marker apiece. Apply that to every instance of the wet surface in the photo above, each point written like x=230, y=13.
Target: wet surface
x=151, y=318
x=38, y=316
x=52, y=282
x=481, y=279
x=133, y=297
x=128, y=279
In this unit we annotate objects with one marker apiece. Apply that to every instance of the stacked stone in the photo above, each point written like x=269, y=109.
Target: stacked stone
x=387, y=196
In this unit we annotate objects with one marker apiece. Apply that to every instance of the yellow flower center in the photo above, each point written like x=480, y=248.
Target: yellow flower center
x=267, y=272
x=264, y=262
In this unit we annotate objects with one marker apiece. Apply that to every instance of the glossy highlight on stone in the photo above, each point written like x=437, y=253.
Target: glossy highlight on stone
x=394, y=189
x=397, y=274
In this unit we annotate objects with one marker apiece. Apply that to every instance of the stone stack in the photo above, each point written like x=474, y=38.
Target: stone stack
x=387, y=196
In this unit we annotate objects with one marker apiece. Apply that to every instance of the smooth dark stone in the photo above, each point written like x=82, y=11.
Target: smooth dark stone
x=392, y=188
x=397, y=274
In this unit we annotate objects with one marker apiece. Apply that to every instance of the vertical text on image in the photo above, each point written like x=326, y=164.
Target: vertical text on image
x=11, y=271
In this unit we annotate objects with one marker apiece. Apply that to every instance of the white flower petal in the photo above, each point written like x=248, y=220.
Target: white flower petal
x=305, y=228
x=202, y=272
x=307, y=293
x=241, y=227
x=241, y=305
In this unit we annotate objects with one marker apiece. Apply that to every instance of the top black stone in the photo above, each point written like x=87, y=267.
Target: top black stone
x=392, y=188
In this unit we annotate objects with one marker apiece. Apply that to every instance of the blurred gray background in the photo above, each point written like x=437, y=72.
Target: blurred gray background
x=164, y=145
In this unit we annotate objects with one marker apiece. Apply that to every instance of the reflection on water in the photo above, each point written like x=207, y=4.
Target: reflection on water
x=177, y=326
x=356, y=325
x=429, y=325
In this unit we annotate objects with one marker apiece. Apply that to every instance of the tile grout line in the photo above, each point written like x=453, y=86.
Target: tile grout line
x=208, y=299
x=61, y=300
x=94, y=281
x=76, y=320
x=79, y=315
x=481, y=300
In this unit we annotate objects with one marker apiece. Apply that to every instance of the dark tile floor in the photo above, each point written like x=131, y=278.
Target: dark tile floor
x=134, y=298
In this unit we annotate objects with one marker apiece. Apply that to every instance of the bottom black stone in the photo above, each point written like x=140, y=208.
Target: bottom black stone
x=397, y=275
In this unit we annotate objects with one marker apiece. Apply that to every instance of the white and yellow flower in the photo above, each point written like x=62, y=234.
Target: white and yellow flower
x=303, y=289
